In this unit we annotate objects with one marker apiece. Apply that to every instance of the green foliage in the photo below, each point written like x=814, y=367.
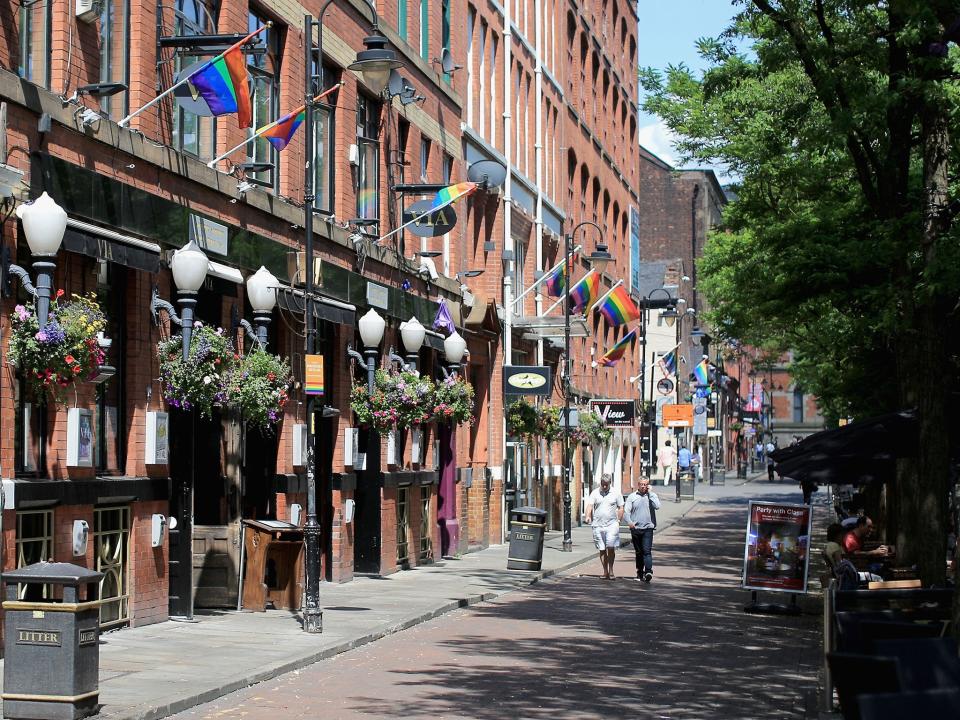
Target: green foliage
x=549, y=426
x=399, y=400
x=453, y=401
x=258, y=385
x=521, y=419
x=64, y=351
x=592, y=430
x=201, y=382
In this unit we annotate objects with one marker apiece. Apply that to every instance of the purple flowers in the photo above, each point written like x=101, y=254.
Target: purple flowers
x=52, y=334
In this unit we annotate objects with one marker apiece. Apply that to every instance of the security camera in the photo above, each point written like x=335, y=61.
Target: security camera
x=428, y=268
x=356, y=239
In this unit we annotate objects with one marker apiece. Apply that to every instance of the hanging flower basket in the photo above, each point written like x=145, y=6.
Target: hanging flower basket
x=258, y=385
x=64, y=351
x=453, y=402
x=549, y=426
x=200, y=382
x=399, y=400
x=522, y=419
x=592, y=430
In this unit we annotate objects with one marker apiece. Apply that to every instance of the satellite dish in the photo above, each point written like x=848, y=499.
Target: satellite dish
x=184, y=96
x=447, y=63
x=396, y=83
x=487, y=173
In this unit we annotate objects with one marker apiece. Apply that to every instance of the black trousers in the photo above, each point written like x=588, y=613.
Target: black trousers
x=643, y=544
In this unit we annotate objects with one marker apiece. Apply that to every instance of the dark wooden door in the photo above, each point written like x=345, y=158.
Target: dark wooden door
x=366, y=519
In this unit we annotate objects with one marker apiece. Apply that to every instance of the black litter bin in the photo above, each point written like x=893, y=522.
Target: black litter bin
x=686, y=482
x=718, y=476
x=51, y=643
x=527, y=525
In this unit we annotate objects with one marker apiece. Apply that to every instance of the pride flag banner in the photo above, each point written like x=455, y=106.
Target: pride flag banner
x=447, y=195
x=616, y=353
x=668, y=363
x=225, y=86
x=702, y=372
x=618, y=307
x=583, y=293
x=282, y=131
x=556, y=281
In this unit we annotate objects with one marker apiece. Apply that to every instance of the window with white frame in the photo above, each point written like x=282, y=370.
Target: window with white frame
x=403, y=525
x=264, y=71
x=114, y=53
x=111, y=540
x=482, y=74
x=426, y=536
x=34, y=31
x=368, y=168
x=34, y=544
x=471, y=23
x=192, y=134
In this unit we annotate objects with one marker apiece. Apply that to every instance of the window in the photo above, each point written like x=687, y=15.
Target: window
x=425, y=29
x=34, y=62
x=521, y=251
x=324, y=134
x=109, y=413
x=368, y=168
x=403, y=525
x=111, y=538
x=493, y=90
x=471, y=23
x=424, y=159
x=445, y=30
x=192, y=134
x=34, y=544
x=402, y=18
x=426, y=537
x=482, y=120
x=797, y=405
x=30, y=437
x=114, y=54
x=265, y=73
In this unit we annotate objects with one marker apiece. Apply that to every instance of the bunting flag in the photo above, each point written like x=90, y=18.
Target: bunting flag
x=583, y=293
x=668, y=363
x=282, y=131
x=443, y=319
x=702, y=372
x=618, y=307
x=447, y=195
x=225, y=86
x=616, y=353
x=556, y=281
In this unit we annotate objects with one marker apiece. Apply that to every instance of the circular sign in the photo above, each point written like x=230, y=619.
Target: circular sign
x=527, y=380
x=429, y=224
x=699, y=409
x=665, y=386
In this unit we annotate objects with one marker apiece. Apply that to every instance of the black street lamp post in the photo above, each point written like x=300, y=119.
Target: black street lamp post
x=669, y=304
x=599, y=257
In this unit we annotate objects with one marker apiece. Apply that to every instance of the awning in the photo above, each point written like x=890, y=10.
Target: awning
x=103, y=244
x=324, y=308
x=224, y=272
x=433, y=339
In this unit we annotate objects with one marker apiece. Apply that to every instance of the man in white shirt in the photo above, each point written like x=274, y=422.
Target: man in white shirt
x=604, y=512
x=667, y=457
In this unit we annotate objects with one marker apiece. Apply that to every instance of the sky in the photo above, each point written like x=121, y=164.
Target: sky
x=668, y=32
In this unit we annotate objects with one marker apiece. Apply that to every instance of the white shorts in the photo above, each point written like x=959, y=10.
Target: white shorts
x=607, y=536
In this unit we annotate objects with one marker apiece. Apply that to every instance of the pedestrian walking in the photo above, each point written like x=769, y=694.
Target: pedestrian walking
x=641, y=514
x=770, y=462
x=667, y=457
x=604, y=513
x=684, y=458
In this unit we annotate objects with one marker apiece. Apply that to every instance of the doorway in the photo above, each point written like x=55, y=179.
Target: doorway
x=367, y=521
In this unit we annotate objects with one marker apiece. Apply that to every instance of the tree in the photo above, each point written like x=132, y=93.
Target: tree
x=841, y=243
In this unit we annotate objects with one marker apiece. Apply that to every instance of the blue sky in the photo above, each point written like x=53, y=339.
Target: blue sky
x=668, y=31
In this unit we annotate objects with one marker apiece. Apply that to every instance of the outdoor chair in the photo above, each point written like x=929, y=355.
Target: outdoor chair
x=925, y=663
x=857, y=674
x=873, y=631
x=940, y=703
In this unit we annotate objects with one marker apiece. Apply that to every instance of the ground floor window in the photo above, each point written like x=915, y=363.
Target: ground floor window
x=34, y=544
x=426, y=537
x=403, y=525
x=111, y=538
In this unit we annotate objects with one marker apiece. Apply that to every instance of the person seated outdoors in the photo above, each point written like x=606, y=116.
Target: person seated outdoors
x=833, y=550
x=854, y=540
x=844, y=571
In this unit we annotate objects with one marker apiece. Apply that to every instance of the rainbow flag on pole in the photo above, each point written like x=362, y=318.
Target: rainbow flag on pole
x=618, y=307
x=668, y=363
x=702, y=372
x=225, y=86
x=280, y=132
x=583, y=293
x=447, y=195
x=616, y=353
x=556, y=280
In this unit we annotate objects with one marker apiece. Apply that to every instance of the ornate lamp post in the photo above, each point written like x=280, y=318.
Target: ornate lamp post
x=600, y=257
x=262, y=294
x=189, y=267
x=412, y=335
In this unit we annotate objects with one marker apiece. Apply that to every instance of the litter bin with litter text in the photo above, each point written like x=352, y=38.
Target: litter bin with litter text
x=718, y=476
x=51, y=642
x=686, y=482
x=527, y=525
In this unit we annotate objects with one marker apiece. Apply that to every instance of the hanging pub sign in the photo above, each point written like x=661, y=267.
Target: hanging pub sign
x=615, y=413
x=527, y=380
x=429, y=224
x=776, y=556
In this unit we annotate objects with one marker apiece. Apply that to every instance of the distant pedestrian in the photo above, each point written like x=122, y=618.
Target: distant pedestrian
x=684, y=458
x=604, y=512
x=770, y=462
x=641, y=514
x=758, y=451
x=667, y=457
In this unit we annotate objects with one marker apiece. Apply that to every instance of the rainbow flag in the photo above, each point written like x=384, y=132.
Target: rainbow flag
x=616, y=353
x=583, y=293
x=702, y=372
x=447, y=195
x=282, y=131
x=668, y=363
x=556, y=280
x=224, y=85
x=618, y=307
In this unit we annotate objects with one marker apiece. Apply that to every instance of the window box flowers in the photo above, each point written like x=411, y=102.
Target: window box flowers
x=200, y=382
x=52, y=359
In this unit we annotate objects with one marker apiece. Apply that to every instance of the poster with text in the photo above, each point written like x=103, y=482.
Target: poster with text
x=776, y=557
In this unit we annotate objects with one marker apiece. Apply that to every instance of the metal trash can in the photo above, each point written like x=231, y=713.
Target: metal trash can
x=51, y=642
x=527, y=526
x=718, y=476
x=686, y=482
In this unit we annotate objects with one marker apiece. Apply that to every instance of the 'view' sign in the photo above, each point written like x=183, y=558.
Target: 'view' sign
x=615, y=413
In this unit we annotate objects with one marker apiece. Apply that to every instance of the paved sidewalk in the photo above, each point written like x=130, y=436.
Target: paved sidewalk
x=158, y=670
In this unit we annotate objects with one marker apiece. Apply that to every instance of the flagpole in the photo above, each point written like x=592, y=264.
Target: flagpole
x=262, y=130
x=158, y=98
x=424, y=214
x=537, y=283
x=549, y=309
x=596, y=305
